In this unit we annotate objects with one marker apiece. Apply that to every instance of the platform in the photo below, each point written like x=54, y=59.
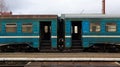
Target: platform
x=59, y=56
x=60, y=59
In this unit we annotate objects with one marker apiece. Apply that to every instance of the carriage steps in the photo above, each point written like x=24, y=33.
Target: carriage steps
x=45, y=45
x=76, y=45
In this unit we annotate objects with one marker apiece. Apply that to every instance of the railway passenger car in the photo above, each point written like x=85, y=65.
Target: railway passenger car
x=21, y=32
x=77, y=32
x=92, y=32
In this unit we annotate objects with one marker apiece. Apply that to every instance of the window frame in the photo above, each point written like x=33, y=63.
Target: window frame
x=46, y=28
x=75, y=29
x=10, y=24
x=25, y=27
x=111, y=28
x=94, y=24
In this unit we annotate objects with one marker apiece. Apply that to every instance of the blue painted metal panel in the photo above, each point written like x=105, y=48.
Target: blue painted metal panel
x=54, y=33
x=19, y=32
x=118, y=26
x=3, y=27
x=67, y=42
x=91, y=41
x=68, y=33
x=85, y=27
x=36, y=43
x=36, y=32
x=103, y=29
x=54, y=42
x=87, y=42
x=19, y=27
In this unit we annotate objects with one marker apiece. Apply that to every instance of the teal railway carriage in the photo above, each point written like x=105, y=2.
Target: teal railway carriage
x=23, y=31
x=79, y=32
x=92, y=31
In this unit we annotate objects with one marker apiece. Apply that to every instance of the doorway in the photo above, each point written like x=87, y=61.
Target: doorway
x=45, y=34
x=76, y=34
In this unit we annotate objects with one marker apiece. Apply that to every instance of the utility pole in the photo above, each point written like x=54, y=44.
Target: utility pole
x=103, y=7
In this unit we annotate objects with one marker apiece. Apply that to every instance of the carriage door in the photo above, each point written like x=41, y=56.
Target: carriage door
x=45, y=35
x=76, y=34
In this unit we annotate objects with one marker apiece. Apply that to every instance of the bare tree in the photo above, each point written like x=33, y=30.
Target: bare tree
x=3, y=7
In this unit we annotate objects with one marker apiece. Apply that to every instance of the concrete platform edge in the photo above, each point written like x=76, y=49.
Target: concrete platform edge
x=60, y=59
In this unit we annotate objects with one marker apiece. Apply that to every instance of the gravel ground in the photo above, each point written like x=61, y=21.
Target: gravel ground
x=72, y=64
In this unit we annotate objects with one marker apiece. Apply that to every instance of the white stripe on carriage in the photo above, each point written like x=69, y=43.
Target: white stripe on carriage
x=67, y=36
x=100, y=36
x=24, y=36
x=84, y=36
x=19, y=36
x=53, y=36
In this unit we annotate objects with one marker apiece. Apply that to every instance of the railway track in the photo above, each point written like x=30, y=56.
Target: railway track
x=59, y=64
x=72, y=64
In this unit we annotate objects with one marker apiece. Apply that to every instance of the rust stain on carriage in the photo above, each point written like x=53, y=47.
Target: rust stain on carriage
x=28, y=16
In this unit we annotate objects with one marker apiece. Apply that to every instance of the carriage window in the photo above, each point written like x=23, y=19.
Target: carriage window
x=11, y=27
x=111, y=27
x=27, y=28
x=75, y=29
x=94, y=27
x=46, y=29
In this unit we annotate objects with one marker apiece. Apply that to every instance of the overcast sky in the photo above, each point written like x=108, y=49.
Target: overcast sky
x=62, y=6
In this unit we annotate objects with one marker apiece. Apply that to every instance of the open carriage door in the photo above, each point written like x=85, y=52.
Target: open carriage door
x=76, y=33
x=45, y=35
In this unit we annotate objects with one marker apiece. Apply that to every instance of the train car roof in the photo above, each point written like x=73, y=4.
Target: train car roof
x=89, y=16
x=28, y=16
